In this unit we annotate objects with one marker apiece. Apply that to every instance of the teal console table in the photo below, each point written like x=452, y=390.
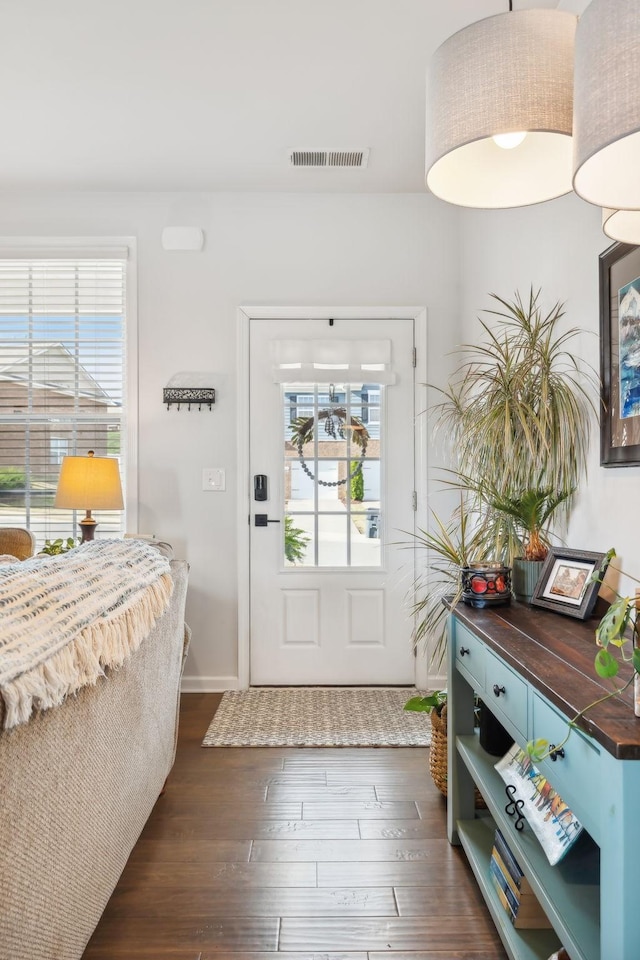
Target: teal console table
x=534, y=669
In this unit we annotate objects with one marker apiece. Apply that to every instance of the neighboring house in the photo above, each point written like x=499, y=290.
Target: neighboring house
x=40, y=422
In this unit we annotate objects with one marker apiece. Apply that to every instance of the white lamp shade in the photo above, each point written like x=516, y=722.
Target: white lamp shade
x=505, y=74
x=89, y=483
x=607, y=105
x=623, y=225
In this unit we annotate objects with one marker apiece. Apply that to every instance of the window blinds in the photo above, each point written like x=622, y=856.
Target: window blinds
x=62, y=380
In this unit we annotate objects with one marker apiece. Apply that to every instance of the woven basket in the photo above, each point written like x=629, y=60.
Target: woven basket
x=438, y=755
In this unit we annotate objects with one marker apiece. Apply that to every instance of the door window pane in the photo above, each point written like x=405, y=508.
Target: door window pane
x=333, y=541
x=299, y=546
x=332, y=478
x=365, y=543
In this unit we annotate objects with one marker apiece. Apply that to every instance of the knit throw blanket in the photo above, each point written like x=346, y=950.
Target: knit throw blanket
x=64, y=619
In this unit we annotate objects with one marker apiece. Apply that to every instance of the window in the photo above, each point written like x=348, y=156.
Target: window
x=59, y=449
x=332, y=485
x=301, y=405
x=62, y=380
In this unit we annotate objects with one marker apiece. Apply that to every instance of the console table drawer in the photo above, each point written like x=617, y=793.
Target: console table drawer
x=469, y=654
x=506, y=693
x=574, y=776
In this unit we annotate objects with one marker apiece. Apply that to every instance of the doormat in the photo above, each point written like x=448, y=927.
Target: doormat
x=318, y=717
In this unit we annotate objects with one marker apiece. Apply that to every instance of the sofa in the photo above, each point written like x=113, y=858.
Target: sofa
x=77, y=784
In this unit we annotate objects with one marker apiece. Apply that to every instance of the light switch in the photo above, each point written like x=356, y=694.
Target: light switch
x=213, y=478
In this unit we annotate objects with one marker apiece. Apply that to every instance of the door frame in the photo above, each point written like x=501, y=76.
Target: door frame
x=245, y=314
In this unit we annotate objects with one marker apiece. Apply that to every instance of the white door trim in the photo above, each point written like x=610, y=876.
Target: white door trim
x=244, y=315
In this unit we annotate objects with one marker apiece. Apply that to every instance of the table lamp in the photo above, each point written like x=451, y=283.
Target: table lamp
x=89, y=483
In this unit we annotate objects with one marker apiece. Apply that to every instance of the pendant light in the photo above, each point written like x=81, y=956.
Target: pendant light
x=507, y=74
x=607, y=106
x=623, y=225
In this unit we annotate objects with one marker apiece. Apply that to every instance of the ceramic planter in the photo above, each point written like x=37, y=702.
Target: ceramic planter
x=526, y=574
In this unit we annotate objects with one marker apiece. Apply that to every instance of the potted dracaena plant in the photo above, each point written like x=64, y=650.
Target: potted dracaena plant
x=518, y=523
x=516, y=415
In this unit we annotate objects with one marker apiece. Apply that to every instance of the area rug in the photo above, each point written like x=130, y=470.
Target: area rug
x=318, y=717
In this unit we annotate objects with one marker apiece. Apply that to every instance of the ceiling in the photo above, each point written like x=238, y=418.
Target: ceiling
x=211, y=94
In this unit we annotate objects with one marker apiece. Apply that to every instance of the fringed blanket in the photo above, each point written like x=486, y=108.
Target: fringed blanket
x=64, y=619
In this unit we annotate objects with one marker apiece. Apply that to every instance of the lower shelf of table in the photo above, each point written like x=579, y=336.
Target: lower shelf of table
x=568, y=892
x=477, y=841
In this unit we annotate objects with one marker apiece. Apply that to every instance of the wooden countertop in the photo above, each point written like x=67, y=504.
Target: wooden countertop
x=555, y=655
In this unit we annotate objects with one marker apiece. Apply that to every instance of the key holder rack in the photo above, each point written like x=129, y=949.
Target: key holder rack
x=190, y=388
x=189, y=395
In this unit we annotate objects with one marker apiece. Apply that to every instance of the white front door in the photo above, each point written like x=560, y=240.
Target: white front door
x=328, y=582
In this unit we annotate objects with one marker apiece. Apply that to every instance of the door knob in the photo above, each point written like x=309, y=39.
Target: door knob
x=261, y=520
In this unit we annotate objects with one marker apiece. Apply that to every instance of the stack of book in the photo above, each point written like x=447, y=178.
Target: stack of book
x=513, y=889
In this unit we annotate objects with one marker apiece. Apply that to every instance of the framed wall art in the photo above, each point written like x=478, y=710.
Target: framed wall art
x=620, y=356
x=566, y=582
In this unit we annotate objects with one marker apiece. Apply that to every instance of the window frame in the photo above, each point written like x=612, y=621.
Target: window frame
x=39, y=247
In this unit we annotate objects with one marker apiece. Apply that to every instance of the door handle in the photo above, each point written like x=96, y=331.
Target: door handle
x=261, y=520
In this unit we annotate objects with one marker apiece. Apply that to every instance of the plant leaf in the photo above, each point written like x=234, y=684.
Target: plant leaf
x=536, y=749
x=417, y=703
x=606, y=665
x=615, y=621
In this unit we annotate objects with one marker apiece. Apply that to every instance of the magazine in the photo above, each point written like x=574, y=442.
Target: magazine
x=553, y=823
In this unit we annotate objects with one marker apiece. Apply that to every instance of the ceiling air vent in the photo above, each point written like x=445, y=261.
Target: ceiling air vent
x=329, y=158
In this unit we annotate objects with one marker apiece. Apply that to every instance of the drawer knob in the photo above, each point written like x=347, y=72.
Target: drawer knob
x=464, y=650
x=498, y=690
x=554, y=754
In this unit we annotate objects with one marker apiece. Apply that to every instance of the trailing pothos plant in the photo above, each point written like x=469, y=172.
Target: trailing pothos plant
x=617, y=636
x=431, y=703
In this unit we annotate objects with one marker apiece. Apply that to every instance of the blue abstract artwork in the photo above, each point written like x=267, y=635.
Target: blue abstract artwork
x=629, y=348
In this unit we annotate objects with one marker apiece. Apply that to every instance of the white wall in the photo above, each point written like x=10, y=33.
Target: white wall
x=555, y=246
x=261, y=249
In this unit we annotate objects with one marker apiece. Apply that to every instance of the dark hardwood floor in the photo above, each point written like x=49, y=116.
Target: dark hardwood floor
x=304, y=854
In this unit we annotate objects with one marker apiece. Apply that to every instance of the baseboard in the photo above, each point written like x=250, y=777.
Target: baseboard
x=208, y=684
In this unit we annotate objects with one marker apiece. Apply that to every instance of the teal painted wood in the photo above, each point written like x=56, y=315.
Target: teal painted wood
x=596, y=921
x=569, y=895
x=460, y=703
x=619, y=794
x=477, y=842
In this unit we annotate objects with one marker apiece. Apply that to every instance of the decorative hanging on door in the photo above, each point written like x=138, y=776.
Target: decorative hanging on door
x=335, y=426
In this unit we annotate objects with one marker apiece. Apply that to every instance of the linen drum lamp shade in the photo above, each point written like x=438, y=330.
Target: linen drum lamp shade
x=508, y=74
x=89, y=483
x=623, y=225
x=607, y=105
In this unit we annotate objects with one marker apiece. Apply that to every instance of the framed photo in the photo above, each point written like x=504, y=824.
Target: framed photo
x=620, y=356
x=566, y=584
